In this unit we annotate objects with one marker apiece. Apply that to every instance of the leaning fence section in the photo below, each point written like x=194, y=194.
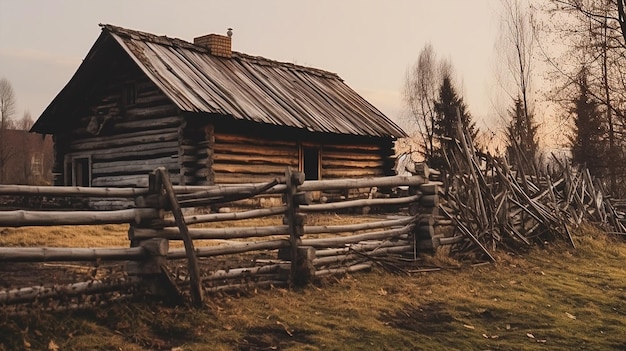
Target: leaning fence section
x=193, y=240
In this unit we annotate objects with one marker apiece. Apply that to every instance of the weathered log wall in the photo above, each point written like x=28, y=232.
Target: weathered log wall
x=123, y=131
x=244, y=159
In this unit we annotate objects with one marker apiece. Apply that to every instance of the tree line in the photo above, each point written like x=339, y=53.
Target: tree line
x=580, y=46
x=24, y=158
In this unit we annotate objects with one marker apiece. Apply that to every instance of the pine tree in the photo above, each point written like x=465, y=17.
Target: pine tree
x=446, y=119
x=589, y=146
x=522, y=145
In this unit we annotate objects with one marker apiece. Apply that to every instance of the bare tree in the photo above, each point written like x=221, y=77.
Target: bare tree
x=421, y=89
x=517, y=45
x=7, y=109
x=593, y=31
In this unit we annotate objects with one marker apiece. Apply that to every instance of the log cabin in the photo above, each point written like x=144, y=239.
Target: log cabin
x=209, y=115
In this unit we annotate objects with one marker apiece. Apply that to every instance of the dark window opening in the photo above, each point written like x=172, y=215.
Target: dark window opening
x=81, y=175
x=129, y=94
x=67, y=179
x=311, y=163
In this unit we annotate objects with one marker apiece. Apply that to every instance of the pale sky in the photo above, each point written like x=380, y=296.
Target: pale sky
x=370, y=44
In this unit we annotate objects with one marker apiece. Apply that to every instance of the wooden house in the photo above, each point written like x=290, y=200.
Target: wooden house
x=209, y=115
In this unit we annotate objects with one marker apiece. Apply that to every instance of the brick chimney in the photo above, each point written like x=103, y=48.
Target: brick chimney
x=218, y=45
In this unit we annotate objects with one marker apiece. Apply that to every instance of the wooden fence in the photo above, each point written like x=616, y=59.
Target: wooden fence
x=218, y=252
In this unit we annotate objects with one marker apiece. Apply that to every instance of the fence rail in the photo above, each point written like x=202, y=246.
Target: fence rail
x=287, y=253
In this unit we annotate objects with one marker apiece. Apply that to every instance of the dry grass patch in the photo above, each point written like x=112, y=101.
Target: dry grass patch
x=551, y=298
x=110, y=235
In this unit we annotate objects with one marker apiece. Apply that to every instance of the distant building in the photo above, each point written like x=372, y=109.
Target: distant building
x=208, y=115
x=29, y=158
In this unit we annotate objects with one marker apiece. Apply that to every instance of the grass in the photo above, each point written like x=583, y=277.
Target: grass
x=551, y=298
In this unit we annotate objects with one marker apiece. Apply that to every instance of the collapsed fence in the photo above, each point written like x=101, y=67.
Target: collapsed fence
x=396, y=217
x=492, y=203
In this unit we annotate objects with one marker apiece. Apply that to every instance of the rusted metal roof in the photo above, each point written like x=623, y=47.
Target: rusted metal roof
x=252, y=88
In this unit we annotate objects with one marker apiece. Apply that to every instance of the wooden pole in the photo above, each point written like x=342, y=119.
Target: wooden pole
x=294, y=221
x=21, y=218
x=194, y=271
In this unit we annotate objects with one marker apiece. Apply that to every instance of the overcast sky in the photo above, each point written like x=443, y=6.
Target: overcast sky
x=370, y=44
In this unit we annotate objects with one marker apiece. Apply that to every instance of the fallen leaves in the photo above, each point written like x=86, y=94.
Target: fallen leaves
x=52, y=346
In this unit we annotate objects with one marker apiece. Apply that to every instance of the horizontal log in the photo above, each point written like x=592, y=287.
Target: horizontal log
x=21, y=295
x=362, y=246
x=209, y=233
x=359, y=203
x=238, y=273
x=327, y=164
x=356, y=227
x=231, y=248
x=355, y=255
x=137, y=152
x=152, y=112
x=452, y=240
x=221, y=158
x=46, y=254
x=21, y=218
x=247, y=286
x=318, y=185
x=346, y=155
x=351, y=172
x=353, y=239
x=154, y=123
x=222, y=217
x=260, y=170
x=217, y=191
x=186, y=189
x=150, y=136
x=351, y=269
x=234, y=178
x=381, y=182
x=350, y=147
x=221, y=138
x=246, y=149
x=136, y=180
x=172, y=159
x=110, y=204
x=70, y=191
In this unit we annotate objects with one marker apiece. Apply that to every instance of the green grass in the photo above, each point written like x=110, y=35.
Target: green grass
x=551, y=298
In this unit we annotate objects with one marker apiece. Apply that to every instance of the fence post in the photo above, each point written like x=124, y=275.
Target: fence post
x=151, y=271
x=195, y=280
x=301, y=257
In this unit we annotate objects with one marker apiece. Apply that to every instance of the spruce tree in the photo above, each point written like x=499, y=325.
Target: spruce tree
x=588, y=140
x=446, y=119
x=521, y=132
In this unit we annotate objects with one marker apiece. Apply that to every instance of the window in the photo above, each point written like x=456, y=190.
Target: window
x=310, y=162
x=36, y=164
x=78, y=171
x=129, y=94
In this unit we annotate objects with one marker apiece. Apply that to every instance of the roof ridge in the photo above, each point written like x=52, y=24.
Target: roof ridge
x=165, y=40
